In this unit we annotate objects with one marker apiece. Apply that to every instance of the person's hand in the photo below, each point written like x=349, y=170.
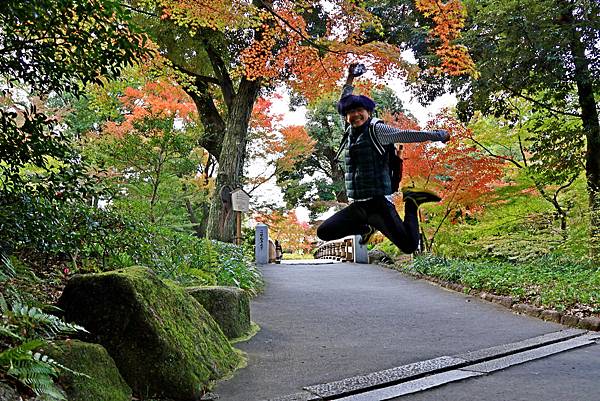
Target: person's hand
x=445, y=135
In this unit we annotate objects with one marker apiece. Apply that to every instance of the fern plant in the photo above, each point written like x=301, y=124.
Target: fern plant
x=24, y=330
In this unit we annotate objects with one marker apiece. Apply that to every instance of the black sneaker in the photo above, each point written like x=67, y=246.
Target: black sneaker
x=420, y=196
x=364, y=238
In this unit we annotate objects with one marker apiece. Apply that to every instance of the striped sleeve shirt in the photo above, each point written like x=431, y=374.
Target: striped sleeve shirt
x=387, y=134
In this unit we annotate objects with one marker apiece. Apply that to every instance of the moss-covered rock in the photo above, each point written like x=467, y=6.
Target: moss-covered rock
x=229, y=306
x=162, y=340
x=104, y=382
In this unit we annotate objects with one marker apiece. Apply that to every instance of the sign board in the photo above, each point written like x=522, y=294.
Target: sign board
x=360, y=252
x=240, y=201
x=261, y=244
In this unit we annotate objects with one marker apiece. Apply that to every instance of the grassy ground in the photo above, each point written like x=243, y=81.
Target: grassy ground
x=549, y=282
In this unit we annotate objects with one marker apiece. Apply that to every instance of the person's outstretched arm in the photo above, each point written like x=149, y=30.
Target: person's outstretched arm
x=387, y=134
x=348, y=87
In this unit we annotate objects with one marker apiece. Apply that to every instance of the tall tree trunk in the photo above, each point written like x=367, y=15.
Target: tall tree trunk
x=221, y=221
x=591, y=126
x=337, y=175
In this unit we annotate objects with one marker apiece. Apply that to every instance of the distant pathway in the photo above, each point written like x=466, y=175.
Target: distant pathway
x=326, y=322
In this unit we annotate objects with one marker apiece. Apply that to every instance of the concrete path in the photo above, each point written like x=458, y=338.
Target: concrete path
x=326, y=322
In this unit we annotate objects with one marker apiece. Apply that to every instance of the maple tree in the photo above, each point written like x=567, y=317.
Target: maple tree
x=463, y=174
x=544, y=146
x=449, y=19
x=227, y=52
x=148, y=151
x=293, y=235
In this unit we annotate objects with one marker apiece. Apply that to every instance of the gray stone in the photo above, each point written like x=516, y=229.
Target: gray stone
x=569, y=320
x=551, y=315
x=384, y=377
x=506, y=349
x=229, y=306
x=528, y=309
x=261, y=244
x=360, y=252
x=505, y=301
x=529, y=355
x=161, y=339
x=8, y=393
x=486, y=296
x=378, y=256
x=303, y=396
x=590, y=323
x=412, y=386
x=104, y=382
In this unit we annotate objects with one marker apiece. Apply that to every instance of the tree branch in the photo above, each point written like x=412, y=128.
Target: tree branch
x=223, y=78
x=532, y=100
x=203, y=78
x=308, y=40
x=505, y=158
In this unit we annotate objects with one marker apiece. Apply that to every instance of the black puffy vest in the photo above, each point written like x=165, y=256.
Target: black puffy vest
x=367, y=172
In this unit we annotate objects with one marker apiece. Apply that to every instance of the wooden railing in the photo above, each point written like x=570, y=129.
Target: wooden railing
x=340, y=250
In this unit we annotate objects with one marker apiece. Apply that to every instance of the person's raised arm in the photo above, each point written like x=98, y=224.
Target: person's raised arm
x=387, y=134
x=354, y=70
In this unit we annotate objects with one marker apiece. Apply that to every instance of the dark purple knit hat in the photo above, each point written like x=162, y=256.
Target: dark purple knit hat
x=352, y=102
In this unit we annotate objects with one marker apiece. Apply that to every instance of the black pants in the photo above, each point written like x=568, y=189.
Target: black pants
x=378, y=213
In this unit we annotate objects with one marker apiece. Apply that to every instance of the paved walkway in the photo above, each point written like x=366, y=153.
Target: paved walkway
x=326, y=322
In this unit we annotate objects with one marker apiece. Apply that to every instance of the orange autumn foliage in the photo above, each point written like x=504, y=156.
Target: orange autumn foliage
x=293, y=235
x=295, y=146
x=282, y=48
x=448, y=17
x=157, y=99
x=463, y=175
x=282, y=146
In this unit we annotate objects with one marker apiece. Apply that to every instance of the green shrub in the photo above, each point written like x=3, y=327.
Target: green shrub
x=550, y=281
x=46, y=232
x=188, y=260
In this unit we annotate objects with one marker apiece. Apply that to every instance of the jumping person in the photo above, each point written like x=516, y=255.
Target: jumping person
x=367, y=178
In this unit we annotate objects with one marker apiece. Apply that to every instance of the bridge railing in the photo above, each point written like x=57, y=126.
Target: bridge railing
x=347, y=249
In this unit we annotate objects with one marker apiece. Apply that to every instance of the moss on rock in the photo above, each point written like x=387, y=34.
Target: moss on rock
x=162, y=340
x=104, y=382
x=229, y=306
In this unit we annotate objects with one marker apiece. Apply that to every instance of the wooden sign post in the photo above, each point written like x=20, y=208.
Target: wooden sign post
x=240, y=203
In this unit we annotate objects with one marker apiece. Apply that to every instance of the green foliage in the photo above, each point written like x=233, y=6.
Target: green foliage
x=23, y=331
x=389, y=248
x=49, y=47
x=550, y=281
x=42, y=230
x=326, y=183
x=516, y=225
x=152, y=176
x=515, y=247
x=55, y=44
x=543, y=39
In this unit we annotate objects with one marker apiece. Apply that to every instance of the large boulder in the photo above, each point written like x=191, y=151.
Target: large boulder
x=103, y=381
x=162, y=340
x=229, y=306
